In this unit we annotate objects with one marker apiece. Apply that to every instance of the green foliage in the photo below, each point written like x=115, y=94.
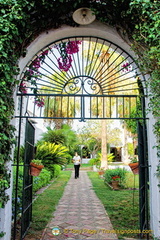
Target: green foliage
x=130, y=149
x=19, y=190
x=110, y=157
x=54, y=169
x=57, y=170
x=110, y=173
x=42, y=180
x=37, y=161
x=4, y=182
x=158, y=171
x=51, y=153
x=21, y=154
x=2, y=234
x=95, y=161
x=38, y=181
x=65, y=136
x=54, y=136
x=21, y=21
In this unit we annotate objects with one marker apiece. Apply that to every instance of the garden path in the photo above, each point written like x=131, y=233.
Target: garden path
x=79, y=214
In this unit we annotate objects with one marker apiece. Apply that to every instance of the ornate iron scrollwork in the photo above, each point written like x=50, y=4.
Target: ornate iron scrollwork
x=82, y=85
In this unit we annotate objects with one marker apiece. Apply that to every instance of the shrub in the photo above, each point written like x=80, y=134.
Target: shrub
x=54, y=169
x=110, y=157
x=57, y=170
x=38, y=182
x=110, y=173
x=95, y=161
x=51, y=153
x=42, y=180
x=20, y=184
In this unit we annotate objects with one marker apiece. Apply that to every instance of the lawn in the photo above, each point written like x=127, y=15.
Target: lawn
x=45, y=205
x=121, y=206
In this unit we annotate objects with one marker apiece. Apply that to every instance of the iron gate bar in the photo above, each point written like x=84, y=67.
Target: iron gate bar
x=100, y=66
x=17, y=172
x=143, y=178
x=27, y=180
x=91, y=71
x=102, y=105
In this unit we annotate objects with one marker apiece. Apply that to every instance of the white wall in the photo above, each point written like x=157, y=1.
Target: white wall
x=99, y=30
x=154, y=181
x=6, y=213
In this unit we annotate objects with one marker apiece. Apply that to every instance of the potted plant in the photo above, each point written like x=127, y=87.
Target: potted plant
x=115, y=182
x=101, y=172
x=134, y=165
x=35, y=167
x=115, y=178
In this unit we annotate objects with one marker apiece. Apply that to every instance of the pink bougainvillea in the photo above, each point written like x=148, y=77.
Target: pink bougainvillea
x=126, y=67
x=64, y=63
x=73, y=47
x=39, y=101
x=22, y=88
x=66, y=52
x=44, y=53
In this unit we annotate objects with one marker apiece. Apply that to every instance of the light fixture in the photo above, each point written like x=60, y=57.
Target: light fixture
x=83, y=16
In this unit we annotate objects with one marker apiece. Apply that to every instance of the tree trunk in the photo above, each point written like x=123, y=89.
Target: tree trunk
x=104, y=163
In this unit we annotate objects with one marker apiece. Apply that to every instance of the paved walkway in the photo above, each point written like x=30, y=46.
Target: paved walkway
x=79, y=214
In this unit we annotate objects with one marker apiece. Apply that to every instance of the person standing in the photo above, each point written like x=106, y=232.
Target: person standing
x=77, y=161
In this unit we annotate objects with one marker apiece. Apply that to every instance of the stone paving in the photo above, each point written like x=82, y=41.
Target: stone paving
x=79, y=214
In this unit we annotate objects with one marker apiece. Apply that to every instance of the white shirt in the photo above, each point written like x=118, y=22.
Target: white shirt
x=76, y=160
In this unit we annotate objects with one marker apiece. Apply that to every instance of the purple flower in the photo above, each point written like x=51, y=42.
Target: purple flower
x=22, y=88
x=64, y=63
x=36, y=63
x=39, y=101
x=126, y=66
x=72, y=47
x=44, y=53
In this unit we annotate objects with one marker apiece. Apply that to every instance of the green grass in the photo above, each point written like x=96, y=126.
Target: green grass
x=45, y=204
x=132, y=181
x=119, y=206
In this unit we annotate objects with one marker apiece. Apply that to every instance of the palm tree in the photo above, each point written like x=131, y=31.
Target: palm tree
x=57, y=108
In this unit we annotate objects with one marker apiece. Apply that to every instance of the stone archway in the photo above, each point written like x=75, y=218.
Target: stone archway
x=103, y=31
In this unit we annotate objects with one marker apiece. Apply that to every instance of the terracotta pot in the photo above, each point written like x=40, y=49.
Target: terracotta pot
x=101, y=172
x=115, y=185
x=134, y=167
x=35, y=169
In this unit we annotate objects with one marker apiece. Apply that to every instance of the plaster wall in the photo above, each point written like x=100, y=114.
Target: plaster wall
x=154, y=181
x=99, y=30
x=6, y=213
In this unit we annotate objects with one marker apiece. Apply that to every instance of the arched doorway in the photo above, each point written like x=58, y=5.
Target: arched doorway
x=81, y=77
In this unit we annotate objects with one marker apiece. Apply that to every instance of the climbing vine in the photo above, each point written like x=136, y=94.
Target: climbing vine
x=22, y=20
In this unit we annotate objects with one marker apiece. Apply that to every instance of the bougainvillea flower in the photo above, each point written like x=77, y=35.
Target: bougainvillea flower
x=72, y=47
x=64, y=63
x=39, y=102
x=22, y=88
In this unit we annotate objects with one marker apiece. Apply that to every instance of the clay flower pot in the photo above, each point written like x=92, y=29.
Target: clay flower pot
x=134, y=167
x=35, y=169
x=101, y=172
x=115, y=185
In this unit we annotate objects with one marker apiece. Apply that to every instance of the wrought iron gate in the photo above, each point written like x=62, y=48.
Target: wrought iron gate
x=143, y=179
x=27, y=179
x=82, y=78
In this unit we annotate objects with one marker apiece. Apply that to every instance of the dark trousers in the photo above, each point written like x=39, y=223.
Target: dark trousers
x=76, y=167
